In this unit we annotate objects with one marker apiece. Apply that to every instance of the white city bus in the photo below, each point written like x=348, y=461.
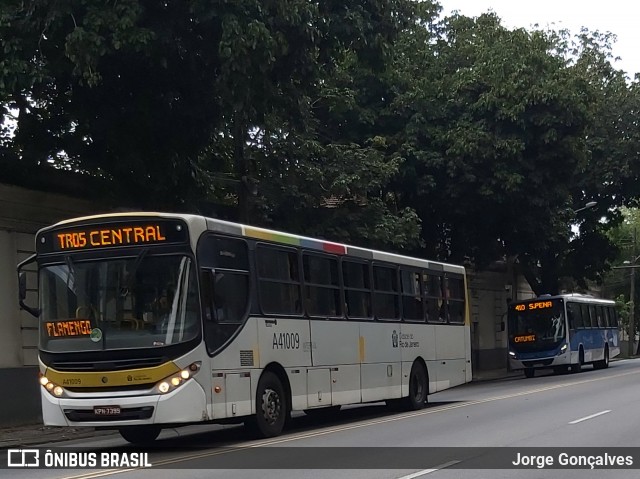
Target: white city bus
x=151, y=320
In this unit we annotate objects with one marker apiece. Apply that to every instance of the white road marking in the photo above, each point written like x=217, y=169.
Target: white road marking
x=590, y=417
x=429, y=471
x=333, y=429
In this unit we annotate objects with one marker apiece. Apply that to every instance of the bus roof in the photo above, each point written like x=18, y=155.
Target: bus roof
x=254, y=232
x=574, y=297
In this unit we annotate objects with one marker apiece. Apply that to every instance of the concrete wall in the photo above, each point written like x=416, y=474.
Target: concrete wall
x=490, y=293
x=22, y=213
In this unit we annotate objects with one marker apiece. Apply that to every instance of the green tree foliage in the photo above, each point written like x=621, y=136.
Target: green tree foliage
x=376, y=122
x=167, y=100
x=499, y=146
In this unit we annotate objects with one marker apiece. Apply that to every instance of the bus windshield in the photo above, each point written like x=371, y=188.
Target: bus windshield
x=120, y=303
x=535, y=328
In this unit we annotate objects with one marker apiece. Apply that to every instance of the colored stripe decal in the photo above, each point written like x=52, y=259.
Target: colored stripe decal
x=295, y=241
x=334, y=248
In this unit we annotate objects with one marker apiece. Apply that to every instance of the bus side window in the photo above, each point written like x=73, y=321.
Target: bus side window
x=357, y=289
x=586, y=317
x=206, y=283
x=434, y=297
x=605, y=316
x=575, y=316
x=594, y=318
x=614, y=317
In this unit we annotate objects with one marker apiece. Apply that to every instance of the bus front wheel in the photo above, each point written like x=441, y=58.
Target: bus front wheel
x=418, y=388
x=529, y=372
x=140, y=435
x=576, y=368
x=272, y=407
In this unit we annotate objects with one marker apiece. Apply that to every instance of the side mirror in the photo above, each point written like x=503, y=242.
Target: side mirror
x=22, y=287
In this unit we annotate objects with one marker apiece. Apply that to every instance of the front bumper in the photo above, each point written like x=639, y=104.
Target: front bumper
x=185, y=404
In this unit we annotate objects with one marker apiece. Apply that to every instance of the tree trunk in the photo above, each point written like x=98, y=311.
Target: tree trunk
x=241, y=166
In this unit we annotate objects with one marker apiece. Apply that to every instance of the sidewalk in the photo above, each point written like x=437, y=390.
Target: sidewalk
x=491, y=374
x=31, y=434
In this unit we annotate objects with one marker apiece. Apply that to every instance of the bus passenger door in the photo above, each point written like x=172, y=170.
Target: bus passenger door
x=381, y=366
x=335, y=344
x=319, y=387
x=238, y=394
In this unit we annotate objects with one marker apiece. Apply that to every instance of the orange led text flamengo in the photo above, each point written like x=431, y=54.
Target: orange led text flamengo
x=68, y=328
x=110, y=237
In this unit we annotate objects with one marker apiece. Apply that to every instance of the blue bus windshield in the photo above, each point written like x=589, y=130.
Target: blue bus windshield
x=542, y=326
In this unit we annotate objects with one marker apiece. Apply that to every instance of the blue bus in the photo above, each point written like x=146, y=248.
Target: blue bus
x=562, y=332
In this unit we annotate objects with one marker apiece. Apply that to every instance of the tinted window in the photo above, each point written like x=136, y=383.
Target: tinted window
x=575, y=315
x=385, y=298
x=410, y=282
x=279, y=280
x=321, y=291
x=356, y=289
x=434, y=298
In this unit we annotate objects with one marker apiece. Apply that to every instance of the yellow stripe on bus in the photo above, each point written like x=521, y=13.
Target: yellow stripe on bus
x=127, y=377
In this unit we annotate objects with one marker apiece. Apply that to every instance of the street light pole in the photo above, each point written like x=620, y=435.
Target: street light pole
x=591, y=204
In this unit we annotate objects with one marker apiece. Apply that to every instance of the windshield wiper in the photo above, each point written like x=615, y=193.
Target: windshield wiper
x=132, y=274
x=71, y=269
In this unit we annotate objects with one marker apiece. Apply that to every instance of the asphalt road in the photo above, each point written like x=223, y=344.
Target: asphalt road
x=473, y=431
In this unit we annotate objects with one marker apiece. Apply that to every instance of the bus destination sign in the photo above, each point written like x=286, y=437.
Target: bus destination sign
x=113, y=235
x=527, y=338
x=68, y=328
x=534, y=305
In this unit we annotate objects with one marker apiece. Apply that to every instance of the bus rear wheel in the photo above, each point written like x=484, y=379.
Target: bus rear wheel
x=272, y=406
x=140, y=435
x=418, y=388
x=605, y=361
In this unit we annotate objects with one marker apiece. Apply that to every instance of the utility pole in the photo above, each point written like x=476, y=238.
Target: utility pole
x=632, y=265
x=632, y=303
x=632, y=306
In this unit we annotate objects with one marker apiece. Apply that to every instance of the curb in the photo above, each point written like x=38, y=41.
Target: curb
x=38, y=434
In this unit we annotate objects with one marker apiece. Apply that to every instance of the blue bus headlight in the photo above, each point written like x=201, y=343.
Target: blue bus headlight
x=512, y=354
x=563, y=349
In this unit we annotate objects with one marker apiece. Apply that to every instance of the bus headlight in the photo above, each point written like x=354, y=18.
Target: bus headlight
x=512, y=354
x=52, y=388
x=563, y=349
x=176, y=380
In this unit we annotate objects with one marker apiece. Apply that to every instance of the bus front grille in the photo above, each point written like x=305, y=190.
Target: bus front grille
x=109, y=365
x=126, y=414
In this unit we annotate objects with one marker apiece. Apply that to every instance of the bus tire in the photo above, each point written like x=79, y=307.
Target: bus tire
x=605, y=362
x=272, y=406
x=418, y=388
x=140, y=435
x=576, y=368
x=529, y=372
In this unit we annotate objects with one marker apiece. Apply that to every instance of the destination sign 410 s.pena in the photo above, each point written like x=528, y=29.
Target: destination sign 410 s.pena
x=535, y=305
